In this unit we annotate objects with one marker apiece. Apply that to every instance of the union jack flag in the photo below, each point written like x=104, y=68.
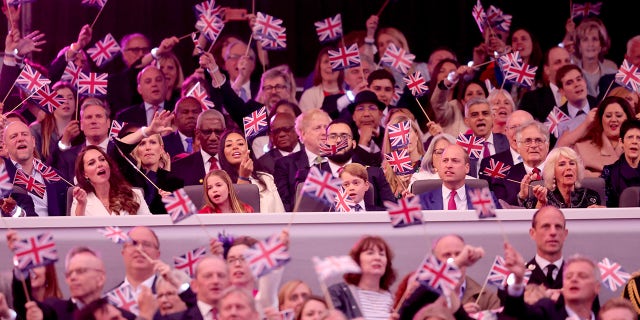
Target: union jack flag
x=114, y=234
x=104, y=50
x=201, y=94
x=404, y=213
x=321, y=185
x=93, y=84
x=5, y=179
x=277, y=43
x=521, y=74
x=208, y=8
x=178, y=205
x=555, y=117
x=187, y=262
x=398, y=58
x=482, y=202
x=265, y=256
x=48, y=100
x=628, y=76
x=196, y=42
x=331, y=266
x=497, y=169
x=94, y=3
x=498, y=19
x=399, y=134
x=344, y=58
x=486, y=314
x=397, y=94
x=472, y=144
x=255, y=123
x=439, y=275
x=30, y=183
x=328, y=150
x=343, y=203
x=329, y=29
x=210, y=26
x=36, y=251
x=48, y=173
x=612, y=275
x=116, y=126
x=509, y=58
x=400, y=161
x=416, y=84
x=479, y=15
x=124, y=297
x=498, y=273
x=31, y=79
x=586, y=9
x=71, y=73
x=267, y=26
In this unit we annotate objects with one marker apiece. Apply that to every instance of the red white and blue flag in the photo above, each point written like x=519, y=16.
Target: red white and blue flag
x=201, y=94
x=612, y=275
x=482, y=202
x=116, y=126
x=628, y=76
x=496, y=169
x=94, y=3
x=48, y=173
x=486, y=314
x=5, y=179
x=479, y=16
x=104, y=50
x=555, y=117
x=92, y=84
x=439, y=275
x=331, y=149
x=399, y=134
x=178, y=205
x=71, y=73
x=267, y=26
x=279, y=42
x=265, y=256
x=397, y=94
x=47, y=99
x=332, y=266
x=114, y=234
x=343, y=203
x=210, y=25
x=208, y=8
x=187, y=262
x=31, y=79
x=29, y=183
x=404, y=213
x=344, y=58
x=498, y=19
x=509, y=58
x=472, y=144
x=321, y=185
x=416, y=83
x=585, y=9
x=124, y=297
x=400, y=161
x=255, y=123
x=329, y=29
x=521, y=74
x=398, y=58
x=499, y=273
x=35, y=251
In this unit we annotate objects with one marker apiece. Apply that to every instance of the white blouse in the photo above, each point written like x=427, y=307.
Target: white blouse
x=95, y=208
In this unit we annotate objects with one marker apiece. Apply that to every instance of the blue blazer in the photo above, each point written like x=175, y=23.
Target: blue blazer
x=173, y=144
x=432, y=200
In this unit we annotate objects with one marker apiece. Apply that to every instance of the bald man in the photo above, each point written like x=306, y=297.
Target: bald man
x=152, y=88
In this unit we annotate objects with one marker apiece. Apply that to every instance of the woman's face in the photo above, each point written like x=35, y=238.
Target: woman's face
x=633, y=98
x=168, y=299
x=325, y=69
x=373, y=261
x=612, y=119
x=217, y=190
x=521, y=42
x=383, y=42
x=170, y=71
x=38, y=277
x=566, y=171
x=235, y=148
x=473, y=90
x=96, y=167
x=590, y=46
x=413, y=141
x=501, y=108
x=444, y=71
x=238, y=268
x=437, y=152
x=313, y=310
x=68, y=105
x=296, y=297
x=149, y=151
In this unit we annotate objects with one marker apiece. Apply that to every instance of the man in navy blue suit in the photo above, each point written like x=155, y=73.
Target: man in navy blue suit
x=479, y=117
x=209, y=283
x=152, y=88
x=186, y=116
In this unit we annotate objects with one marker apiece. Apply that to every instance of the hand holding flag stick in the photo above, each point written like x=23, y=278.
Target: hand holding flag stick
x=98, y=15
x=23, y=101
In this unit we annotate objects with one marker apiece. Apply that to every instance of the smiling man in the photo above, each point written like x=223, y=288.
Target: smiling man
x=580, y=107
x=479, y=117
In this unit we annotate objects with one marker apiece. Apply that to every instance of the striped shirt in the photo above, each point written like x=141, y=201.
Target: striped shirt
x=375, y=305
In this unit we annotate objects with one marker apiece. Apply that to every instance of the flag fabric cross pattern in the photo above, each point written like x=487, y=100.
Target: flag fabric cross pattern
x=210, y=25
x=187, y=262
x=472, y=144
x=265, y=256
x=29, y=183
x=404, y=213
x=479, y=15
x=5, y=179
x=179, y=206
x=71, y=73
x=331, y=149
x=482, y=202
x=201, y=94
x=329, y=29
x=509, y=58
x=104, y=50
x=114, y=234
x=94, y=3
x=439, y=275
x=279, y=42
x=400, y=161
x=585, y=9
x=416, y=83
x=321, y=185
x=332, y=266
x=343, y=203
x=47, y=100
x=344, y=58
x=398, y=58
x=486, y=314
x=612, y=275
x=124, y=297
x=35, y=251
x=267, y=25
x=399, y=134
x=521, y=74
x=209, y=8
x=498, y=273
x=498, y=19
x=31, y=79
x=555, y=117
x=116, y=126
x=47, y=172
x=255, y=123
x=628, y=76
x=496, y=169
x=93, y=84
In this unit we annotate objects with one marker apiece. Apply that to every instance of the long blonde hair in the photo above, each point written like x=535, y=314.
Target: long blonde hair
x=396, y=182
x=236, y=205
x=165, y=158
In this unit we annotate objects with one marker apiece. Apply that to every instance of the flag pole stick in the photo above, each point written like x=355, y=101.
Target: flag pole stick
x=608, y=88
x=246, y=53
x=481, y=64
x=384, y=5
x=22, y=279
x=484, y=286
x=185, y=36
x=144, y=254
x=253, y=6
x=8, y=92
x=422, y=109
x=77, y=98
x=202, y=225
x=23, y=101
x=98, y=15
x=135, y=167
x=327, y=296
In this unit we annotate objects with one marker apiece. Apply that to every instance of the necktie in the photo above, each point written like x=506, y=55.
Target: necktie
x=151, y=113
x=357, y=207
x=189, y=141
x=452, y=201
x=580, y=113
x=213, y=164
x=340, y=170
x=486, y=153
x=537, y=176
x=243, y=94
x=212, y=314
x=550, y=269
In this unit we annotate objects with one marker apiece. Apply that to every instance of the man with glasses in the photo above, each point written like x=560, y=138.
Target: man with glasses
x=240, y=68
x=533, y=145
x=284, y=140
x=366, y=111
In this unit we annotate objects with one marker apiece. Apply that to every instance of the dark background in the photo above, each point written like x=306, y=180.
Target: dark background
x=427, y=24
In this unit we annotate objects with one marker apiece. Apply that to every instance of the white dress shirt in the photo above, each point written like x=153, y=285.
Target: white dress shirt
x=460, y=198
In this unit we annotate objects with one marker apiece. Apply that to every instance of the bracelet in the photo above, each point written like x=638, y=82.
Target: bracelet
x=142, y=130
x=216, y=69
x=244, y=179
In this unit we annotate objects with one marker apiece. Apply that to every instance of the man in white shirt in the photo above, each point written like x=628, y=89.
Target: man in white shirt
x=548, y=231
x=209, y=283
x=452, y=195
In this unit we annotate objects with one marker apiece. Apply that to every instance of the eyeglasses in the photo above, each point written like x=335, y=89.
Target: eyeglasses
x=529, y=141
x=234, y=260
x=208, y=132
x=237, y=56
x=335, y=136
x=282, y=129
x=143, y=243
x=278, y=87
x=80, y=271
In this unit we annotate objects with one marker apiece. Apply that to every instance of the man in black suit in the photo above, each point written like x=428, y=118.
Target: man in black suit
x=548, y=231
x=152, y=88
x=479, y=117
x=284, y=140
x=195, y=166
x=311, y=128
x=209, y=283
x=186, y=115
x=366, y=112
x=241, y=67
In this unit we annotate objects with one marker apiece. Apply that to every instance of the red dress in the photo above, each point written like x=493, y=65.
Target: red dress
x=247, y=208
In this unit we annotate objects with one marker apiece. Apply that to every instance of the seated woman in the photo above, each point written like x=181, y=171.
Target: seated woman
x=624, y=173
x=220, y=197
x=431, y=159
x=101, y=190
x=563, y=171
x=169, y=302
x=367, y=294
x=502, y=106
x=326, y=82
x=313, y=308
x=172, y=71
x=236, y=159
x=592, y=44
x=399, y=183
x=601, y=146
x=292, y=295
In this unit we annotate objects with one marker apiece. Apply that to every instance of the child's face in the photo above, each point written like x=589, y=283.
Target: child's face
x=355, y=186
x=217, y=190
